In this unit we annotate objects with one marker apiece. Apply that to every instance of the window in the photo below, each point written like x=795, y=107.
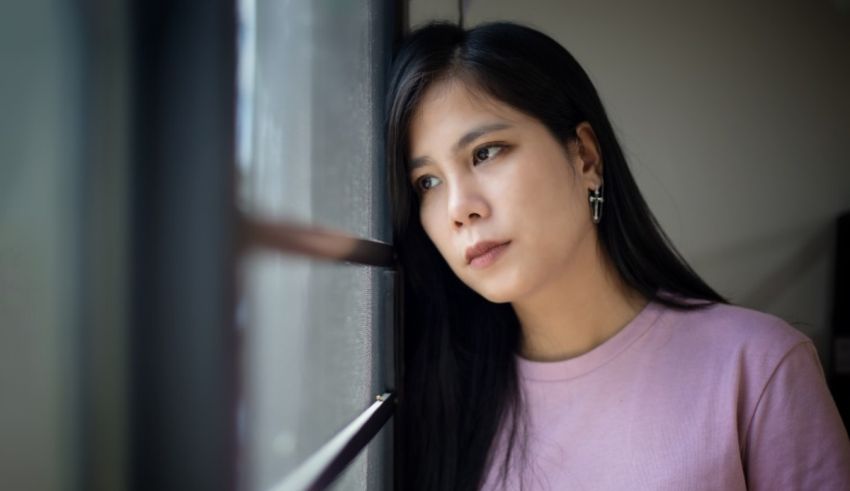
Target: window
x=263, y=325
x=316, y=335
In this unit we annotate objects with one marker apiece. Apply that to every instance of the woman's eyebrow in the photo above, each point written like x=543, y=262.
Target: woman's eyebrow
x=465, y=140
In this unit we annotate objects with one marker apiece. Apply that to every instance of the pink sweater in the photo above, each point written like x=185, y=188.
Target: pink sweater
x=720, y=399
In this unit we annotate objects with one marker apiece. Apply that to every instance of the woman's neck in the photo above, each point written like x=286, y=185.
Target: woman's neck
x=576, y=312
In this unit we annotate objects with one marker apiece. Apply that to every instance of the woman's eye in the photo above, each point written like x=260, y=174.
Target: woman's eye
x=425, y=183
x=485, y=153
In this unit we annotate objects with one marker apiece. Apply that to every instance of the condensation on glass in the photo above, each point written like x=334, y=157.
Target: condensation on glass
x=308, y=151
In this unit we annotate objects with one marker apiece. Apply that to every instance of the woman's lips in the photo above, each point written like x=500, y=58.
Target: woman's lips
x=485, y=254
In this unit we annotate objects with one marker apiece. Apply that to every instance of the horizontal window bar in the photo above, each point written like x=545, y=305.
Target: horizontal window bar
x=320, y=470
x=315, y=242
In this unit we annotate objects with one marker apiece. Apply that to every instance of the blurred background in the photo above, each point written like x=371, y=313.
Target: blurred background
x=147, y=341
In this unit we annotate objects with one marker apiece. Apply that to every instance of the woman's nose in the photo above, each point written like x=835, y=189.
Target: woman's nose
x=467, y=203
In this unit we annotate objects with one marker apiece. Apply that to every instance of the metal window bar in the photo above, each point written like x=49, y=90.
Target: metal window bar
x=328, y=462
x=315, y=242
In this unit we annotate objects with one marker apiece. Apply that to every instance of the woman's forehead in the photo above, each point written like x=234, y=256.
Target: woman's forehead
x=452, y=107
x=455, y=93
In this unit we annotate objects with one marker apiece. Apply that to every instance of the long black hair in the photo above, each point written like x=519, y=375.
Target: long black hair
x=460, y=385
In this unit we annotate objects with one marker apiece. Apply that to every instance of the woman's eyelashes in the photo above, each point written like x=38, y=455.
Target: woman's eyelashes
x=421, y=186
x=484, y=151
x=480, y=154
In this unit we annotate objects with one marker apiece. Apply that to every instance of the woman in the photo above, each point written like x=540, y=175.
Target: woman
x=555, y=338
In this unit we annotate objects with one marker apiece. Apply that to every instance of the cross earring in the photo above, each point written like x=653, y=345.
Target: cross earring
x=596, y=201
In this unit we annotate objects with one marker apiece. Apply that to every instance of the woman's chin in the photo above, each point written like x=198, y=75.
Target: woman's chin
x=495, y=295
x=502, y=288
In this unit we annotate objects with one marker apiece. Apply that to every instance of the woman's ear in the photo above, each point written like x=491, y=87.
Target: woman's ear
x=589, y=163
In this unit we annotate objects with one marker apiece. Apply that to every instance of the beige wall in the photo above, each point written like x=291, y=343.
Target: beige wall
x=735, y=117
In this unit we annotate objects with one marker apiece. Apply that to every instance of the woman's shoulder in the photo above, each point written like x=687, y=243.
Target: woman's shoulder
x=735, y=328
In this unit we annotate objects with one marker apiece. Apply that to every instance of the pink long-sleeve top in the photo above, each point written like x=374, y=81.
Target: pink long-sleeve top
x=725, y=398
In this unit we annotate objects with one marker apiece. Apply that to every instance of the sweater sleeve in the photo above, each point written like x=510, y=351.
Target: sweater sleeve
x=796, y=439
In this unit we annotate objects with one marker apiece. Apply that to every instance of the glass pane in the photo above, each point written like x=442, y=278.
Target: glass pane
x=310, y=113
x=308, y=143
x=314, y=357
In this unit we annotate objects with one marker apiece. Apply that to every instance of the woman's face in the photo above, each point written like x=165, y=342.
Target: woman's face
x=489, y=174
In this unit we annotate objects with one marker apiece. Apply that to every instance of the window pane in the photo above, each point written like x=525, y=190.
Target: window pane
x=314, y=357
x=315, y=334
x=310, y=113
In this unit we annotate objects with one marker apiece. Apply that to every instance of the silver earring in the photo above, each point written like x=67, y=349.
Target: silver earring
x=596, y=201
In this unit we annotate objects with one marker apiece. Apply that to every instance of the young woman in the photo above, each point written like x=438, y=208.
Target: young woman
x=555, y=338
